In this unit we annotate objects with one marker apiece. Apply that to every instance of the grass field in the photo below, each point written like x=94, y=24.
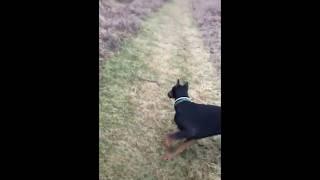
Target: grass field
x=119, y=20
x=135, y=112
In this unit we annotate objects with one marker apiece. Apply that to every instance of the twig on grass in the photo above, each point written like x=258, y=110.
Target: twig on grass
x=148, y=80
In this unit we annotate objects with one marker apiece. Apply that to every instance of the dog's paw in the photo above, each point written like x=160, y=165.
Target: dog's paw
x=167, y=156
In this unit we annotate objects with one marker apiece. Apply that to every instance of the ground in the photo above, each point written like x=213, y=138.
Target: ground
x=135, y=112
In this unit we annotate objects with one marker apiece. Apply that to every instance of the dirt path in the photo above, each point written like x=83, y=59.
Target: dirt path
x=135, y=112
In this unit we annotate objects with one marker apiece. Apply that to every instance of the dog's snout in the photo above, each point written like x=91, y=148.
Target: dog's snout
x=170, y=94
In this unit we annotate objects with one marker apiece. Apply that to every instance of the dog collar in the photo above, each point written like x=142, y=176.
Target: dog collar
x=181, y=99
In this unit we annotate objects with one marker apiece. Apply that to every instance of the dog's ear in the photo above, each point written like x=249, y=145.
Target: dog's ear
x=178, y=82
x=186, y=84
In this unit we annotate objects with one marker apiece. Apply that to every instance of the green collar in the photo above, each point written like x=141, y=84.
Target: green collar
x=181, y=99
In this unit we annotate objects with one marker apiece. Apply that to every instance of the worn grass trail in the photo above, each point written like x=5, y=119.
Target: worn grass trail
x=135, y=112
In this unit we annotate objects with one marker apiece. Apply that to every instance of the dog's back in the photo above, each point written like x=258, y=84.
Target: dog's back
x=198, y=120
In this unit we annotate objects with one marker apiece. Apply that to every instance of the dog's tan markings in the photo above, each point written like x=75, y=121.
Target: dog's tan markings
x=181, y=147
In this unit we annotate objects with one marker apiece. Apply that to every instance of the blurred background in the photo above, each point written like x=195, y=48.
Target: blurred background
x=120, y=19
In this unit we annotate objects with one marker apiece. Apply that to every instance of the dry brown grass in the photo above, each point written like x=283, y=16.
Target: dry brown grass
x=207, y=14
x=135, y=114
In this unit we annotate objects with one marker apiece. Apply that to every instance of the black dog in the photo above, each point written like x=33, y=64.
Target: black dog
x=194, y=121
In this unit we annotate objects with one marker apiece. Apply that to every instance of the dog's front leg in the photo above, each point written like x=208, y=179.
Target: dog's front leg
x=168, y=141
x=175, y=136
x=183, y=146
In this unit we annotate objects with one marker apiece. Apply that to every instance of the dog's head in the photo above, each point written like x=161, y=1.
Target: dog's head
x=179, y=90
